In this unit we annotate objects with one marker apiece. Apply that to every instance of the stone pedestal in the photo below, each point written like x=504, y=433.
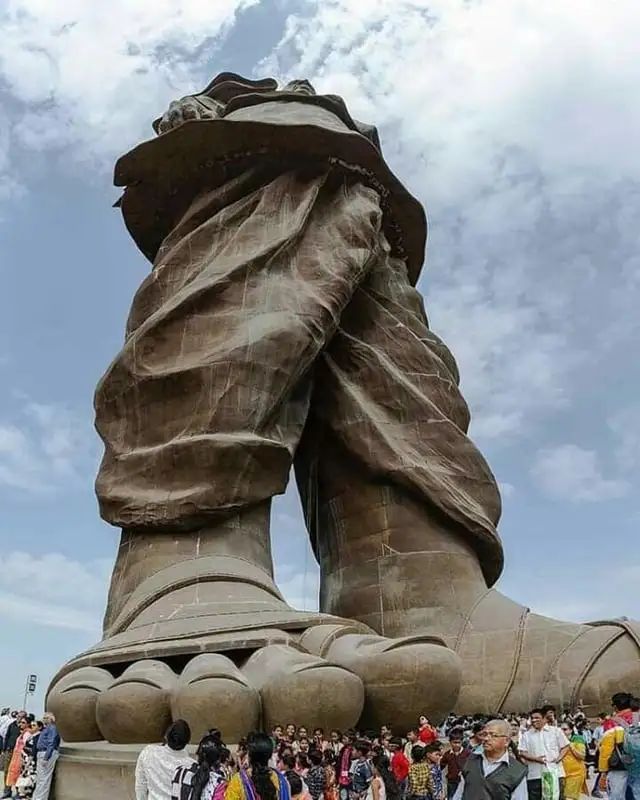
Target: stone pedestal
x=96, y=771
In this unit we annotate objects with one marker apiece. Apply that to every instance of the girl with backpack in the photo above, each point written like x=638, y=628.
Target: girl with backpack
x=204, y=779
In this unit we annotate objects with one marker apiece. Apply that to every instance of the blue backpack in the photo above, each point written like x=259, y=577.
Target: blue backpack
x=631, y=748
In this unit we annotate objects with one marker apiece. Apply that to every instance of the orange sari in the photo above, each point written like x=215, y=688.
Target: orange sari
x=331, y=788
x=15, y=765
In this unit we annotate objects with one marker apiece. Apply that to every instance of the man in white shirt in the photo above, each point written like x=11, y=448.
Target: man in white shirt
x=493, y=772
x=412, y=739
x=542, y=746
x=5, y=720
x=157, y=763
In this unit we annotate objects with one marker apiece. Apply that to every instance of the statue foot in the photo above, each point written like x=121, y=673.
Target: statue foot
x=276, y=682
x=529, y=659
x=228, y=652
x=402, y=676
x=414, y=573
x=364, y=680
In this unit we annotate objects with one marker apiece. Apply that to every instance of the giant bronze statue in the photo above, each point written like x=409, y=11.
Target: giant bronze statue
x=279, y=327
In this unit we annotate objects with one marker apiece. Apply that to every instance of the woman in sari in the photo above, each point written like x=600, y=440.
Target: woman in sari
x=574, y=763
x=331, y=784
x=15, y=765
x=26, y=783
x=258, y=781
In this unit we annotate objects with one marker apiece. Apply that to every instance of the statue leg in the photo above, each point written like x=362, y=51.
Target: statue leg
x=200, y=414
x=402, y=510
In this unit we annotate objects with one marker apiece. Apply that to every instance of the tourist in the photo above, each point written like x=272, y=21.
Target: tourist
x=296, y=787
x=331, y=784
x=412, y=741
x=542, y=747
x=420, y=785
x=611, y=760
x=226, y=763
x=574, y=764
x=25, y=785
x=453, y=761
x=434, y=757
x=15, y=765
x=598, y=732
x=286, y=761
x=292, y=764
x=258, y=781
x=303, y=765
x=383, y=784
x=277, y=735
x=242, y=760
x=8, y=736
x=635, y=710
x=343, y=769
x=549, y=714
x=304, y=745
x=200, y=779
x=157, y=763
x=399, y=764
x=361, y=772
x=514, y=741
x=6, y=718
x=335, y=742
x=290, y=731
x=46, y=748
x=426, y=733
x=319, y=740
x=316, y=777
x=37, y=726
x=12, y=732
x=495, y=772
x=476, y=740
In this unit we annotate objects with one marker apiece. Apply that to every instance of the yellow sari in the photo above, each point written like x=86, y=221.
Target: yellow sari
x=575, y=769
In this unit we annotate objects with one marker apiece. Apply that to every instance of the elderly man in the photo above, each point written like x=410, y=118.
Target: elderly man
x=493, y=774
x=47, y=756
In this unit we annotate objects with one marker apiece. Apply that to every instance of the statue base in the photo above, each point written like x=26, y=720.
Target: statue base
x=96, y=770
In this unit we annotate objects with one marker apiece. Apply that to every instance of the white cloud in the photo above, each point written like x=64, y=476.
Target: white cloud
x=625, y=425
x=510, y=119
x=49, y=588
x=296, y=570
x=300, y=584
x=42, y=448
x=91, y=81
x=10, y=187
x=569, y=472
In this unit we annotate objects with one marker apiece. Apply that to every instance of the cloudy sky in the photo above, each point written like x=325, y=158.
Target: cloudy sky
x=514, y=121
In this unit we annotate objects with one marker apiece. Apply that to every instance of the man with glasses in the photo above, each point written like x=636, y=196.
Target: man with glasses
x=494, y=773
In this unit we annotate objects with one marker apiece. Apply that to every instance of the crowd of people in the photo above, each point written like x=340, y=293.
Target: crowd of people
x=28, y=754
x=540, y=755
